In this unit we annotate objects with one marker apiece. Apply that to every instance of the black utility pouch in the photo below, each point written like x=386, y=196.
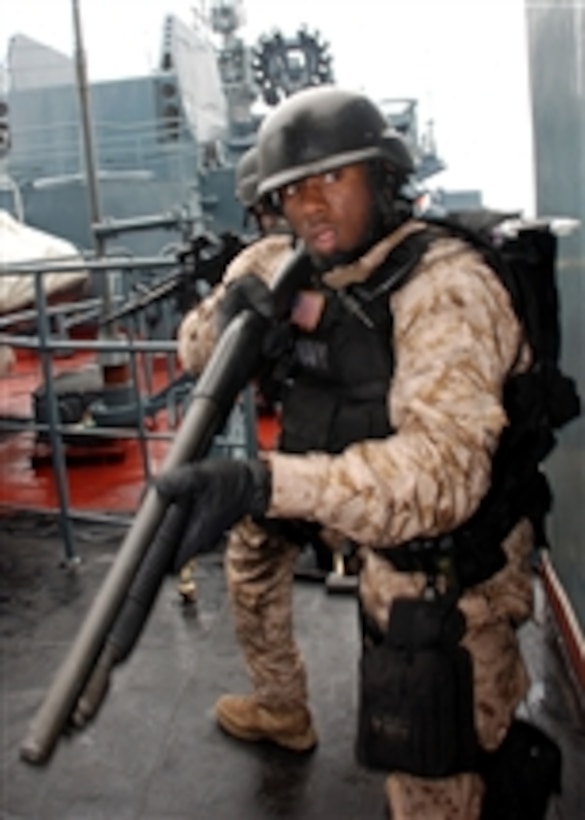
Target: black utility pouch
x=522, y=775
x=416, y=692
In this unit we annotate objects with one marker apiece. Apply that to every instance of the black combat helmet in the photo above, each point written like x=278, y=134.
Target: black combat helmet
x=247, y=178
x=323, y=128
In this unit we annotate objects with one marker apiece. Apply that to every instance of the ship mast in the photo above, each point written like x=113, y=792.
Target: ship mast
x=86, y=128
x=114, y=365
x=227, y=17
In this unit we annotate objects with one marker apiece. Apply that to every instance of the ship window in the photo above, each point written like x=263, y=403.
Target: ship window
x=172, y=121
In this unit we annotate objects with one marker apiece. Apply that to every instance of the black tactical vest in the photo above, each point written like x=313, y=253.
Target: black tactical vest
x=337, y=394
x=337, y=389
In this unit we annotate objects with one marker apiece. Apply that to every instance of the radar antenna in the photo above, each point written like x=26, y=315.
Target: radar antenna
x=282, y=65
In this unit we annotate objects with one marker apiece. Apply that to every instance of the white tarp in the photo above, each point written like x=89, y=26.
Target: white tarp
x=21, y=244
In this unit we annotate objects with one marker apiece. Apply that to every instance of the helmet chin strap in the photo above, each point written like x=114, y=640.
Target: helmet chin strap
x=390, y=201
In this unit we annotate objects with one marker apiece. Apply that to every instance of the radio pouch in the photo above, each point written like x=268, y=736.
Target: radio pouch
x=416, y=692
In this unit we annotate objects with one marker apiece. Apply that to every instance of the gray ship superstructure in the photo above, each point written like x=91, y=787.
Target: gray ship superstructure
x=165, y=143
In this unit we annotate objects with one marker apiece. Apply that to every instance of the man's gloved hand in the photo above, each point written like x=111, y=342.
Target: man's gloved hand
x=249, y=292
x=218, y=492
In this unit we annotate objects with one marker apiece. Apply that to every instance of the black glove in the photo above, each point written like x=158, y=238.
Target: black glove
x=219, y=492
x=247, y=293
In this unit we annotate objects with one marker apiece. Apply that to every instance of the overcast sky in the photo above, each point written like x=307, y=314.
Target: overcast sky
x=464, y=60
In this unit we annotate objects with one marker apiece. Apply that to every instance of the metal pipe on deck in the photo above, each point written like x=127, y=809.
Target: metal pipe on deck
x=113, y=227
x=99, y=265
x=60, y=472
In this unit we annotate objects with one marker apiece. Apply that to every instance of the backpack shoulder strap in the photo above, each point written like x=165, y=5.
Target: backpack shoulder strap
x=396, y=269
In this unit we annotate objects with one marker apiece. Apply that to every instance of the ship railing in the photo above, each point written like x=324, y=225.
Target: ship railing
x=45, y=331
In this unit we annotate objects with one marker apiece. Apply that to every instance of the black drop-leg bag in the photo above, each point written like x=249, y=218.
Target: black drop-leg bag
x=416, y=692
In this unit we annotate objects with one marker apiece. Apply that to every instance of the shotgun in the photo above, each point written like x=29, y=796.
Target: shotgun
x=124, y=600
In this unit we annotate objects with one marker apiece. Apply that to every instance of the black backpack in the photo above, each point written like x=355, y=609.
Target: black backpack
x=544, y=399
x=538, y=402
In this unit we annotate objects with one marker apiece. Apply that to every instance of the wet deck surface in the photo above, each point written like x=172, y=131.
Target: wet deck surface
x=154, y=752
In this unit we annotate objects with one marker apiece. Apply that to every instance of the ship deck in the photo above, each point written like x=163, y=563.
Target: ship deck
x=154, y=752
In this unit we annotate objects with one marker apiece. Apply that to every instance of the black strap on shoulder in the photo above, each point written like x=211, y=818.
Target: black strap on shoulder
x=525, y=264
x=396, y=268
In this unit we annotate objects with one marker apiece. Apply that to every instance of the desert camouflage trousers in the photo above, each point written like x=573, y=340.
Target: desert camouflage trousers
x=260, y=571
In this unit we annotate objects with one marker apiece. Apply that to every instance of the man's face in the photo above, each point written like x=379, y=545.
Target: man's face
x=330, y=212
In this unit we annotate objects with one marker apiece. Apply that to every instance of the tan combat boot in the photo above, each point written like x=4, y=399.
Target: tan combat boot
x=243, y=717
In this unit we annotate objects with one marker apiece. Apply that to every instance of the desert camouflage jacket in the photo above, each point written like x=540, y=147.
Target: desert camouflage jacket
x=456, y=340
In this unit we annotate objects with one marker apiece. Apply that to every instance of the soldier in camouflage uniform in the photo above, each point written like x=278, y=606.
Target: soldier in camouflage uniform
x=414, y=461
x=197, y=334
